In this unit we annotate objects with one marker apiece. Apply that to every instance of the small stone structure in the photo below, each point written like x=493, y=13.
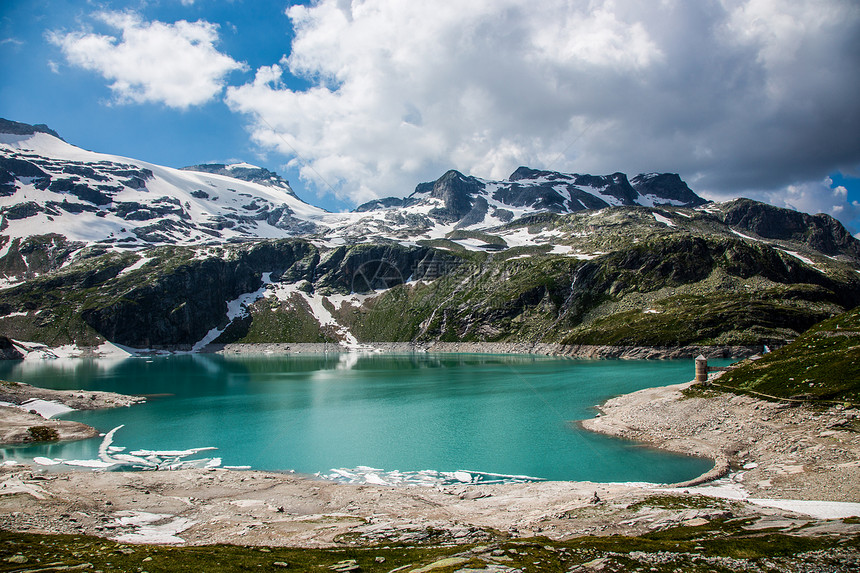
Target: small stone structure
x=702, y=368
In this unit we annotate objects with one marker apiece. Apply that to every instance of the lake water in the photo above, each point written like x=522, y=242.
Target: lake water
x=510, y=415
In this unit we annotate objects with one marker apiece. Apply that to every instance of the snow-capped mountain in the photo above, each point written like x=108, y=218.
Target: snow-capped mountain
x=50, y=186
x=469, y=200
x=96, y=247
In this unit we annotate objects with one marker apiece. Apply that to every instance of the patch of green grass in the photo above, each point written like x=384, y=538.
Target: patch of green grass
x=684, y=548
x=109, y=556
x=727, y=319
x=277, y=321
x=43, y=434
x=679, y=502
x=822, y=364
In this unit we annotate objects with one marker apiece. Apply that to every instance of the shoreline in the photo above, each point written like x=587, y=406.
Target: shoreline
x=542, y=349
x=26, y=412
x=775, y=463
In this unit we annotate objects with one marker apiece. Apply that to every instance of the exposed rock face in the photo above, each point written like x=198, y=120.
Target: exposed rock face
x=468, y=200
x=821, y=232
x=8, y=351
x=666, y=186
x=16, y=128
x=386, y=203
x=180, y=307
x=456, y=191
x=37, y=254
x=245, y=172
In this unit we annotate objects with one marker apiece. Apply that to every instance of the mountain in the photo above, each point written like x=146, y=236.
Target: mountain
x=105, y=199
x=46, y=183
x=469, y=202
x=95, y=247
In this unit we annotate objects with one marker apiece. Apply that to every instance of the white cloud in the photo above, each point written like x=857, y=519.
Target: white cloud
x=817, y=197
x=174, y=64
x=733, y=94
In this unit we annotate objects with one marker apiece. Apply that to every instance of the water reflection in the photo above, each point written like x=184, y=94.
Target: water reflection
x=503, y=414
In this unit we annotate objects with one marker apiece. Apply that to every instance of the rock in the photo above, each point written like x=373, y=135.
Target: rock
x=695, y=522
x=379, y=559
x=281, y=564
x=474, y=494
x=17, y=559
x=442, y=563
x=595, y=564
x=345, y=566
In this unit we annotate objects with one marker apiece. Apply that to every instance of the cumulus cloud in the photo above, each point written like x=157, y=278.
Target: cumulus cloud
x=174, y=64
x=736, y=95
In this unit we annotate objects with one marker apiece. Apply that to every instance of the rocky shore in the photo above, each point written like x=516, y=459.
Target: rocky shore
x=775, y=449
x=25, y=412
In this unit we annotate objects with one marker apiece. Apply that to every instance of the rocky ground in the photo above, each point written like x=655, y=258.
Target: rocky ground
x=775, y=449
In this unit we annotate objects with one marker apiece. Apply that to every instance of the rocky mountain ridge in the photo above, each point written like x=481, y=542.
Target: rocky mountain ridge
x=97, y=248
x=105, y=199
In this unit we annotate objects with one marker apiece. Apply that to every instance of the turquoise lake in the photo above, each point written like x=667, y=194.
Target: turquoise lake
x=501, y=414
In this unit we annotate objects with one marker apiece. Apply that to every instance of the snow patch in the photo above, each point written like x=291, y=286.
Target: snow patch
x=818, y=509
x=747, y=237
x=730, y=488
x=663, y=219
x=235, y=308
x=46, y=408
x=139, y=264
x=159, y=528
x=798, y=256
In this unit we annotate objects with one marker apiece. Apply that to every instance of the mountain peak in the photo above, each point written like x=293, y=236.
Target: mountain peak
x=18, y=128
x=245, y=172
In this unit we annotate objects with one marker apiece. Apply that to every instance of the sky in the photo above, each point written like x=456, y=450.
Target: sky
x=352, y=100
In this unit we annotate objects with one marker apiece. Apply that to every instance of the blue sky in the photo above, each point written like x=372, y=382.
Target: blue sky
x=352, y=100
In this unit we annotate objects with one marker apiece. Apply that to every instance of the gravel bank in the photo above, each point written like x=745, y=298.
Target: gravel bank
x=777, y=450
x=578, y=351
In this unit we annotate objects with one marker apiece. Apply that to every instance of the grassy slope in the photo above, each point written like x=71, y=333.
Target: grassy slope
x=699, y=283
x=695, y=549
x=823, y=363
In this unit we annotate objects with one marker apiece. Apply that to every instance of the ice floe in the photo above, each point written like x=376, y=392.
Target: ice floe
x=424, y=478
